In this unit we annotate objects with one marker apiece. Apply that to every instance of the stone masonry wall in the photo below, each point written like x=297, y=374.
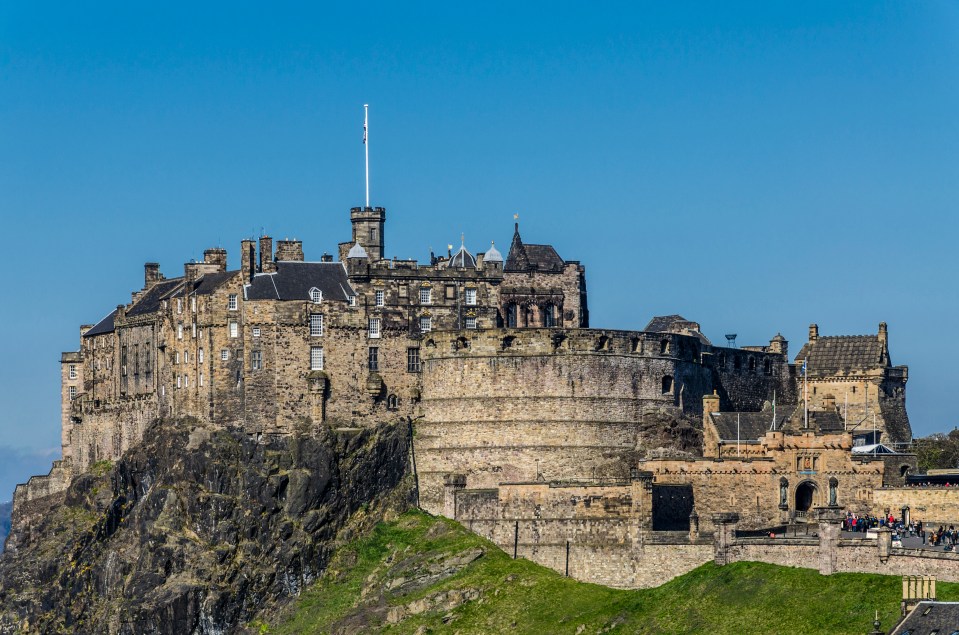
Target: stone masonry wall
x=933, y=505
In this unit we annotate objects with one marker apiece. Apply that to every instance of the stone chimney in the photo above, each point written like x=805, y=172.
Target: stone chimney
x=778, y=344
x=247, y=256
x=710, y=404
x=326, y=257
x=289, y=250
x=151, y=274
x=813, y=332
x=215, y=256
x=883, y=335
x=267, y=265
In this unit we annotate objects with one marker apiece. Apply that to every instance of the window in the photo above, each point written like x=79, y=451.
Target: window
x=234, y=329
x=224, y=355
x=426, y=324
x=179, y=382
x=426, y=295
x=73, y=371
x=374, y=328
x=193, y=304
x=179, y=331
x=199, y=356
x=201, y=379
x=373, y=360
x=256, y=331
x=471, y=297
x=549, y=316
x=352, y=300
x=73, y=392
x=471, y=322
x=316, y=358
x=231, y=302
x=511, y=316
x=316, y=296
x=176, y=359
x=256, y=360
x=179, y=305
x=123, y=361
x=380, y=297
x=194, y=330
x=372, y=234
x=316, y=324
x=450, y=292
x=667, y=384
x=186, y=357
x=403, y=291
x=146, y=363
x=199, y=333
x=186, y=381
x=413, y=360
x=392, y=402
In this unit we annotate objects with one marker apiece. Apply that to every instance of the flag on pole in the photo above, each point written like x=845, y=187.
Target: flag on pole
x=364, y=132
x=803, y=367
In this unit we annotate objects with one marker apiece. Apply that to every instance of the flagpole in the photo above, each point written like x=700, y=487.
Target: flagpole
x=774, y=409
x=805, y=390
x=737, y=434
x=366, y=146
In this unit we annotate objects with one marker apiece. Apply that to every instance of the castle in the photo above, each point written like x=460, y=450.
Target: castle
x=522, y=411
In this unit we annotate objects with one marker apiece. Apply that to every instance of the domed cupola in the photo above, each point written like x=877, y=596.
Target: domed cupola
x=357, y=251
x=493, y=255
x=462, y=259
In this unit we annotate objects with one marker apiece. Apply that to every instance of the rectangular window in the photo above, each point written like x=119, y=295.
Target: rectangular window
x=179, y=305
x=413, y=360
x=450, y=292
x=73, y=371
x=471, y=297
x=176, y=359
x=426, y=295
x=352, y=299
x=231, y=302
x=201, y=379
x=380, y=297
x=147, y=367
x=193, y=304
x=471, y=322
x=186, y=381
x=373, y=360
x=234, y=329
x=179, y=331
x=256, y=331
x=199, y=356
x=179, y=382
x=426, y=324
x=316, y=358
x=194, y=330
x=316, y=324
x=403, y=290
x=186, y=357
x=256, y=360
x=123, y=361
x=374, y=329
x=224, y=355
x=73, y=392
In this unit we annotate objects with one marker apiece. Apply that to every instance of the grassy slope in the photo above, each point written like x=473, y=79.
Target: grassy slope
x=521, y=597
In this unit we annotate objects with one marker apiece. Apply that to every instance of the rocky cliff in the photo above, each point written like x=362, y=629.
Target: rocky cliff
x=196, y=530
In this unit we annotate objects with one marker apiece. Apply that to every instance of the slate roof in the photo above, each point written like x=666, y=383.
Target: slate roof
x=293, y=281
x=463, y=259
x=752, y=425
x=103, y=326
x=523, y=257
x=663, y=323
x=205, y=284
x=150, y=301
x=843, y=353
x=930, y=617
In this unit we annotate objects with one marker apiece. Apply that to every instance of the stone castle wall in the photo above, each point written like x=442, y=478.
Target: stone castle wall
x=933, y=505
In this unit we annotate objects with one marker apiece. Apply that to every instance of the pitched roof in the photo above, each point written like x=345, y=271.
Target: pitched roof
x=206, y=284
x=523, y=257
x=662, y=323
x=293, y=281
x=843, y=353
x=103, y=326
x=930, y=617
x=752, y=425
x=149, y=302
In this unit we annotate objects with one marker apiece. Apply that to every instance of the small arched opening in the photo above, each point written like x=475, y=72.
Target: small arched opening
x=667, y=384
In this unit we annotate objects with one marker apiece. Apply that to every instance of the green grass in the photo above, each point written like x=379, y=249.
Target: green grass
x=519, y=596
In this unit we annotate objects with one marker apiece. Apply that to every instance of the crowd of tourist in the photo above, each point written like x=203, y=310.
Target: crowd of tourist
x=941, y=537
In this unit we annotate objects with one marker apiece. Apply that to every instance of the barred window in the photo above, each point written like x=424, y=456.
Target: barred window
x=352, y=299
x=316, y=324
x=426, y=324
x=380, y=297
x=373, y=360
x=231, y=302
x=316, y=358
x=256, y=331
x=224, y=355
x=471, y=297
x=471, y=322
x=374, y=328
x=73, y=392
x=256, y=360
x=426, y=295
x=413, y=360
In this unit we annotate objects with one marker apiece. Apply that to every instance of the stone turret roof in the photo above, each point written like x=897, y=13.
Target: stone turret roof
x=843, y=353
x=357, y=251
x=523, y=257
x=293, y=281
x=462, y=259
x=493, y=255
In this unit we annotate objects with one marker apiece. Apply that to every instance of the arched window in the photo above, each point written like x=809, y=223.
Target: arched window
x=511, y=315
x=549, y=316
x=316, y=296
x=768, y=366
x=392, y=402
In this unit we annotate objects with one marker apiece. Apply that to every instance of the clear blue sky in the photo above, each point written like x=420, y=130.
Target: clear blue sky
x=755, y=167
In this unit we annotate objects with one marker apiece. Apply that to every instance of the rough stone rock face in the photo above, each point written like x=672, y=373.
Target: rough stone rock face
x=195, y=530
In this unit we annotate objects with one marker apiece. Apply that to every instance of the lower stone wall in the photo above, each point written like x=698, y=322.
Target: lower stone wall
x=784, y=552
x=863, y=557
x=932, y=505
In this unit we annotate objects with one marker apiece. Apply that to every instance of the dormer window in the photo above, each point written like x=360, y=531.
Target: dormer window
x=316, y=296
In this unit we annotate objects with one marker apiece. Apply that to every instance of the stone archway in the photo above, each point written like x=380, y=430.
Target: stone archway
x=807, y=494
